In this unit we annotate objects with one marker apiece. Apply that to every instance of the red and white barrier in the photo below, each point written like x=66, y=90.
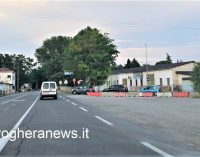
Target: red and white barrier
x=181, y=94
x=146, y=94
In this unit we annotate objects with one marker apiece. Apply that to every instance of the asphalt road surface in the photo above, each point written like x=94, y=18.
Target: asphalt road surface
x=98, y=132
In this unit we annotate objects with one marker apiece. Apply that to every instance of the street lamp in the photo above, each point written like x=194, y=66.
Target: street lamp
x=14, y=60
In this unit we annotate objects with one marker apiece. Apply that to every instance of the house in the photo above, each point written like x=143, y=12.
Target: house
x=7, y=81
x=168, y=76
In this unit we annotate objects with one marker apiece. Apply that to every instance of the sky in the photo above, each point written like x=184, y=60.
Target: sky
x=165, y=26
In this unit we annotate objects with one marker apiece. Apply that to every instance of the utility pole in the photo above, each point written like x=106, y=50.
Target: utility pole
x=18, y=76
x=147, y=68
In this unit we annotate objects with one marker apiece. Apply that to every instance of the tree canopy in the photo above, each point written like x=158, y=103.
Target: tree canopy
x=90, y=55
x=131, y=64
x=196, y=77
x=167, y=61
x=14, y=61
x=50, y=56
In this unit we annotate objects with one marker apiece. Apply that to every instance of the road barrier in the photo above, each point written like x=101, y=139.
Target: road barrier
x=147, y=94
x=94, y=94
x=181, y=94
x=113, y=94
x=135, y=94
x=165, y=94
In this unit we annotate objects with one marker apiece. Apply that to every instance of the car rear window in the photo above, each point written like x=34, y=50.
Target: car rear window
x=52, y=85
x=46, y=86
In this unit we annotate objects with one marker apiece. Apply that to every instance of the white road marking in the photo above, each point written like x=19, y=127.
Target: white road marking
x=18, y=100
x=74, y=104
x=67, y=100
x=6, y=109
x=4, y=141
x=13, y=99
x=83, y=109
x=103, y=120
x=157, y=150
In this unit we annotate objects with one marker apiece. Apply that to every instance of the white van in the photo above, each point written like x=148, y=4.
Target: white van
x=48, y=89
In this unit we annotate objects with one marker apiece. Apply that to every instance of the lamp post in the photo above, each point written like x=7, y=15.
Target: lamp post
x=147, y=68
x=14, y=60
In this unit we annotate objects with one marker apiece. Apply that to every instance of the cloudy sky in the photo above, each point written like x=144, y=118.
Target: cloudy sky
x=165, y=26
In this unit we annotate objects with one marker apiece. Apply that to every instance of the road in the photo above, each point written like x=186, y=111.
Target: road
x=109, y=134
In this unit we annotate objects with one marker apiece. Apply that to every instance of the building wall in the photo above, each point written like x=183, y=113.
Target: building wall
x=8, y=77
x=160, y=74
x=166, y=75
x=177, y=78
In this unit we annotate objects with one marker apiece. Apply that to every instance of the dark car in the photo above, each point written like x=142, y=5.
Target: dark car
x=82, y=90
x=116, y=88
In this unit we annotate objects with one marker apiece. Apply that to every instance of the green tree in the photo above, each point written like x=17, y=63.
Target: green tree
x=128, y=64
x=117, y=67
x=90, y=55
x=167, y=61
x=196, y=77
x=132, y=64
x=15, y=61
x=50, y=56
x=135, y=63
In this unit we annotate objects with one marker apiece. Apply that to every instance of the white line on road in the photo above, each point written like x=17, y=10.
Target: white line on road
x=103, y=120
x=74, y=104
x=13, y=99
x=4, y=141
x=18, y=100
x=67, y=100
x=5, y=109
x=157, y=150
x=83, y=109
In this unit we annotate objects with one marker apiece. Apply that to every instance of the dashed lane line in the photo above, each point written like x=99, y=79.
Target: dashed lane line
x=155, y=149
x=103, y=120
x=83, y=109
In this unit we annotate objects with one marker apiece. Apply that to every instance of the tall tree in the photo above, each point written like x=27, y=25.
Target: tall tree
x=196, y=77
x=128, y=64
x=131, y=64
x=167, y=61
x=50, y=56
x=90, y=55
x=18, y=63
x=135, y=63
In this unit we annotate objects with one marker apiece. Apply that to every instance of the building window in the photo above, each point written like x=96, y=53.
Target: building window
x=117, y=82
x=168, y=81
x=136, y=82
x=124, y=82
x=161, y=82
x=131, y=82
x=9, y=77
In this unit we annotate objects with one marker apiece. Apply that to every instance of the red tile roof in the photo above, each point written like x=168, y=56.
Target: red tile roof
x=5, y=70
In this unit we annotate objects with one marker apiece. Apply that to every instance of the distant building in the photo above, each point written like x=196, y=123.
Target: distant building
x=7, y=81
x=173, y=76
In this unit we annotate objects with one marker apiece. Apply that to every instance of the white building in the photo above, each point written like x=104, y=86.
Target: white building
x=165, y=75
x=7, y=80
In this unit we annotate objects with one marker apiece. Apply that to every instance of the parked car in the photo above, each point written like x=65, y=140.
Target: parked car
x=82, y=90
x=48, y=89
x=116, y=88
x=152, y=89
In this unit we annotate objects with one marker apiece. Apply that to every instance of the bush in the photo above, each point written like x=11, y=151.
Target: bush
x=196, y=77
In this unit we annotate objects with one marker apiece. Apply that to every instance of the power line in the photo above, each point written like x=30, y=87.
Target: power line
x=41, y=15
